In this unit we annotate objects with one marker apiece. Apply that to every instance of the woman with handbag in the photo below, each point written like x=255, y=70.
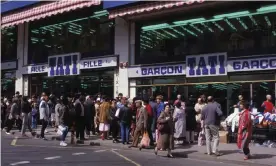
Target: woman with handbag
x=166, y=131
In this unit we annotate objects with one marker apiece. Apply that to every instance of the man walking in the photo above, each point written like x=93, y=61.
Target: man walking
x=26, y=109
x=80, y=120
x=211, y=114
x=44, y=114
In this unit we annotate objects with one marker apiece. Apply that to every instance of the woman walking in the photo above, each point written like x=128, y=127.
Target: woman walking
x=64, y=120
x=245, y=130
x=104, y=119
x=165, y=127
x=180, y=124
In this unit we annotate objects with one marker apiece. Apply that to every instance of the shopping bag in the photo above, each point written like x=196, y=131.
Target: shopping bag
x=117, y=113
x=60, y=130
x=201, y=138
x=145, y=142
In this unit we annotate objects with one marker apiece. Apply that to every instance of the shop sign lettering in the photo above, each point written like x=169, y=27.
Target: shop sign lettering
x=149, y=71
x=64, y=65
x=98, y=63
x=268, y=63
x=37, y=69
x=206, y=65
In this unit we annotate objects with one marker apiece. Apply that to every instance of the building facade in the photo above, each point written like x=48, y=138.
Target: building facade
x=191, y=48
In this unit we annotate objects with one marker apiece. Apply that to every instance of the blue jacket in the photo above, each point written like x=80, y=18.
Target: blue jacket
x=160, y=108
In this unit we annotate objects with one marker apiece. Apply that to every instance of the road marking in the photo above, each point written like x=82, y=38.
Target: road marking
x=77, y=154
x=13, y=143
x=52, y=158
x=21, y=162
x=98, y=151
x=127, y=159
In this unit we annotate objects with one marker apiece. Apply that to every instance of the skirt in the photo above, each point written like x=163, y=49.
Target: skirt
x=104, y=127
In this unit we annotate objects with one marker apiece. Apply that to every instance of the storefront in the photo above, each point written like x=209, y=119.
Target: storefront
x=64, y=75
x=211, y=74
x=8, y=77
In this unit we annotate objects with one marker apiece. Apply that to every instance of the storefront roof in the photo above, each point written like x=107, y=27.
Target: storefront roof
x=149, y=7
x=44, y=10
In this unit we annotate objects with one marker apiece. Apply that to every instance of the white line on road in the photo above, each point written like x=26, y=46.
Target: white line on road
x=21, y=162
x=52, y=158
x=77, y=154
x=13, y=143
x=98, y=151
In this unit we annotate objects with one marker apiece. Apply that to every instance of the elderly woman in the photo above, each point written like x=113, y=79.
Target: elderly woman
x=180, y=124
x=166, y=129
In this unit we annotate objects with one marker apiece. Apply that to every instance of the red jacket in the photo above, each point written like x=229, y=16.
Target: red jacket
x=268, y=106
x=149, y=110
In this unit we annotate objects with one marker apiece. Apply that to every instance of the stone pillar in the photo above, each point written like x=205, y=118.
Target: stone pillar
x=121, y=83
x=20, y=59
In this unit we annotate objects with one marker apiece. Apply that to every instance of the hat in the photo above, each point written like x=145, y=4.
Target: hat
x=98, y=99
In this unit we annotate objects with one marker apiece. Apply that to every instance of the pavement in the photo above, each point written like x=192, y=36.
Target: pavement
x=40, y=152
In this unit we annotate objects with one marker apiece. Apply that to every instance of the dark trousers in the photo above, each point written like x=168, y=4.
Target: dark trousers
x=44, y=124
x=114, y=129
x=124, y=132
x=10, y=123
x=80, y=126
x=149, y=130
x=88, y=127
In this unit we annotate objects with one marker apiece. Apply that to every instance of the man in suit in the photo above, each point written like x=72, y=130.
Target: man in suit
x=141, y=123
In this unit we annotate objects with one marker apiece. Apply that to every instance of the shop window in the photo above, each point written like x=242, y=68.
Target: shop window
x=244, y=33
x=260, y=90
x=90, y=33
x=8, y=83
x=9, y=44
x=252, y=77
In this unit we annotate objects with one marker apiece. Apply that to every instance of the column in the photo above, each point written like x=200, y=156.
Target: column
x=20, y=58
x=121, y=83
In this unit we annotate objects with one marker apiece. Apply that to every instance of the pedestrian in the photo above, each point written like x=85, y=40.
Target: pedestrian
x=191, y=123
x=89, y=113
x=153, y=105
x=34, y=115
x=3, y=113
x=80, y=119
x=141, y=123
x=51, y=104
x=150, y=119
x=12, y=115
x=125, y=116
x=166, y=130
x=26, y=109
x=180, y=123
x=114, y=127
x=104, y=119
x=64, y=120
x=245, y=130
x=43, y=114
x=211, y=115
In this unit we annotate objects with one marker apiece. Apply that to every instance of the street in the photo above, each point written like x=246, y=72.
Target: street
x=35, y=154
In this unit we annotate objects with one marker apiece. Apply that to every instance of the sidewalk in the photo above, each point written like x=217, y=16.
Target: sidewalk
x=261, y=155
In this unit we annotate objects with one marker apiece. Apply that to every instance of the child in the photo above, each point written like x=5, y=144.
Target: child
x=34, y=115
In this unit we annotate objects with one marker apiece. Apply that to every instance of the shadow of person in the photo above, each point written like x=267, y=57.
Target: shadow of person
x=262, y=156
x=183, y=154
x=226, y=152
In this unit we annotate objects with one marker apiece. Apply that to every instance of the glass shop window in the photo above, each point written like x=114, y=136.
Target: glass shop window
x=237, y=33
x=9, y=43
x=90, y=33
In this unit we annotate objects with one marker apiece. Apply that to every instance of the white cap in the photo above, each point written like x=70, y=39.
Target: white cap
x=98, y=99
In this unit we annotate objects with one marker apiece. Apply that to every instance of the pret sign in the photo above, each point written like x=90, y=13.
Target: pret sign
x=64, y=65
x=98, y=63
x=158, y=70
x=214, y=64
x=252, y=64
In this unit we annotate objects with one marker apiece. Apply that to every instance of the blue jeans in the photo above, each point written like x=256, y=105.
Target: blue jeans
x=64, y=134
x=124, y=132
x=34, y=122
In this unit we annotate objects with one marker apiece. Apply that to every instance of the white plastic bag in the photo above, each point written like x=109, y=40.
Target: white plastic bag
x=60, y=130
x=117, y=113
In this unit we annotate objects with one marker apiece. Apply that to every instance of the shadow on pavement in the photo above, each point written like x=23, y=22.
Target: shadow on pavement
x=226, y=152
x=262, y=156
x=182, y=154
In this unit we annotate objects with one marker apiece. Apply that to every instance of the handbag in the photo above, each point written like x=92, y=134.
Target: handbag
x=145, y=142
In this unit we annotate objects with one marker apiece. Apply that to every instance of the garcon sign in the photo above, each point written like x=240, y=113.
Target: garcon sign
x=161, y=70
x=214, y=64
x=64, y=65
x=268, y=63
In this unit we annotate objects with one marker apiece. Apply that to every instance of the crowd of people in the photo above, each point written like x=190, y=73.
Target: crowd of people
x=165, y=123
